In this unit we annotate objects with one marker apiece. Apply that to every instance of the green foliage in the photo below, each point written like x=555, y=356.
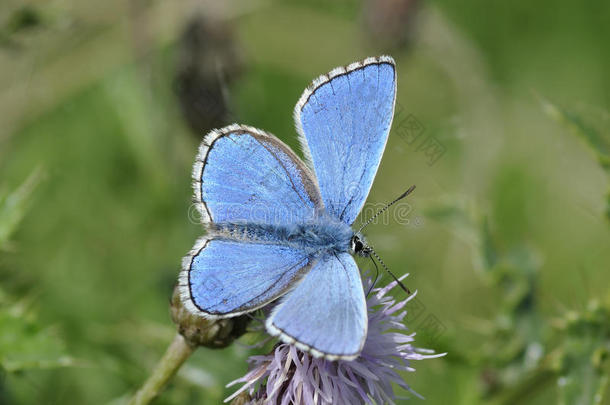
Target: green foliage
x=13, y=207
x=513, y=345
x=522, y=352
x=583, y=359
x=599, y=143
x=25, y=344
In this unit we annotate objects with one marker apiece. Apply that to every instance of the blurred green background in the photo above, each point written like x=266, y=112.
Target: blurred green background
x=102, y=106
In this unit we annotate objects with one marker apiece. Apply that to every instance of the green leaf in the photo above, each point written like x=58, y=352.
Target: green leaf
x=14, y=205
x=25, y=344
x=489, y=252
x=583, y=376
x=583, y=130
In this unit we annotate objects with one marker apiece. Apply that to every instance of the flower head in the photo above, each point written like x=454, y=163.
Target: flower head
x=288, y=375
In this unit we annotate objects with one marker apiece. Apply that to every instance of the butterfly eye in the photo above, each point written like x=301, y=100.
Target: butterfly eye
x=356, y=244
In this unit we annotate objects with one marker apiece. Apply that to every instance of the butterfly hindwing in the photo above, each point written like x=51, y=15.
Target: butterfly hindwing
x=245, y=174
x=343, y=120
x=222, y=278
x=326, y=313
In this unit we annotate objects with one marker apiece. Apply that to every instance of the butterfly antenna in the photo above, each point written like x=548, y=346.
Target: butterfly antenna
x=381, y=211
x=388, y=270
x=376, y=277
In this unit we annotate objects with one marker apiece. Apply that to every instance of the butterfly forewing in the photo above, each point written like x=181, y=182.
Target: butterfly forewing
x=243, y=174
x=344, y=119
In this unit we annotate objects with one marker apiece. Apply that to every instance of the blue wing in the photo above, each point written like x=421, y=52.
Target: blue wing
x=343, y=120
x=245, y=174
x=222, y=278
x=326, y=313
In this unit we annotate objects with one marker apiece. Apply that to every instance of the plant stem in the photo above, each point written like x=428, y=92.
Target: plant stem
x=177, y=353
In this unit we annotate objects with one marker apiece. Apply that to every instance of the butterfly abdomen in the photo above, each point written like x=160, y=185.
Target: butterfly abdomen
x=315, y=236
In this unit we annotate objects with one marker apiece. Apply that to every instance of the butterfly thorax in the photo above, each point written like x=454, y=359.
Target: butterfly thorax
x=315, y=236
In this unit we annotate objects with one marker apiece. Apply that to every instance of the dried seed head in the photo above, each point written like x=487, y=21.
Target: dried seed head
x=199, y=331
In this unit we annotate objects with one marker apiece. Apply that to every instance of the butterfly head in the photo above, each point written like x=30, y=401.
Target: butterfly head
x=359, y=247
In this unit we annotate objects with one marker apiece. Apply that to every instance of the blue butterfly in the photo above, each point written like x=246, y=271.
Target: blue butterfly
x=277, y=230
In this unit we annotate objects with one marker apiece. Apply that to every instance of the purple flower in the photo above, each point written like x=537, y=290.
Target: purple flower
x=288, y=375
